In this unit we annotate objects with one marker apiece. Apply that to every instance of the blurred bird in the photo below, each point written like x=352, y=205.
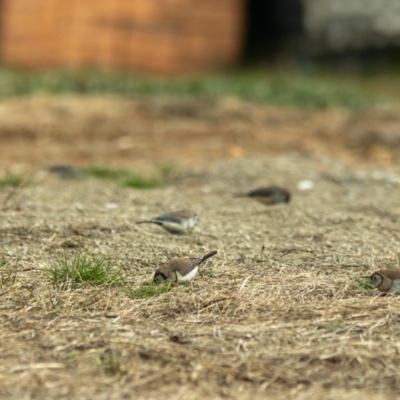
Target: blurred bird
x=65, y=170
x=181, y=269
x=178, y=222
x=268, y=195
x=387, y=281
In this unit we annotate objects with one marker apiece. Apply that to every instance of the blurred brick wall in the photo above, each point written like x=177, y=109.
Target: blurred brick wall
x=161, y=36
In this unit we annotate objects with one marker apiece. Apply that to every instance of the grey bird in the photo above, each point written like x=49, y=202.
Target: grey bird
x=387, y=281
x=65, y=171
x=180, y=270
x=268, y=195
x=178, y=222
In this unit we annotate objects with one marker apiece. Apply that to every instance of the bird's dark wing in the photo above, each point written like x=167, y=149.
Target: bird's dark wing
x=169, y=217
x=262, y=192
x=184, y=265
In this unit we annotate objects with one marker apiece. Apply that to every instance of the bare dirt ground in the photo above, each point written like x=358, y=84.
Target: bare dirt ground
x=277, y=314
x=113, y=131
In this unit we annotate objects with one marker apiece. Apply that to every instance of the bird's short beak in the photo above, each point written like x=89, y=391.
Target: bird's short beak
x=370, y=282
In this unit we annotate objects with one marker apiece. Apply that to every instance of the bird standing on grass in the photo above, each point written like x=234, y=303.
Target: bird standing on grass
x=387, y=281
x=180, y=270
x=178, y=222
x=268, y=195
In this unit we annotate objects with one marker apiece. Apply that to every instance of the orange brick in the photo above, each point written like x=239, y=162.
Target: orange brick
x=163, y=36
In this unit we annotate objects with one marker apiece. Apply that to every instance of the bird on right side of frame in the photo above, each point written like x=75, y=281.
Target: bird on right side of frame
x=269, y=195
x=386, y=281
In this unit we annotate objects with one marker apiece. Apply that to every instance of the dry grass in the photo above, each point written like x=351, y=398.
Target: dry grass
x=279, y=312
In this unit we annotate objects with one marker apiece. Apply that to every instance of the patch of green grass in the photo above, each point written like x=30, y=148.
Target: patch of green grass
x=124, y=177
x=102, y=172
x=8, y=278
x=8, y=275
x=12, y=180
x=280, y=87
x=210, y=273
x=139, y=182
x=82, y=268
x=334, y=327
x=361, y=283
x=109, y=362
x=72, y=355
x=258, y=259
x=150, y=289
x=167, y=170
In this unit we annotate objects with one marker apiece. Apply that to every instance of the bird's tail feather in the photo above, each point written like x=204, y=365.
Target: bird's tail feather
x=208, y=255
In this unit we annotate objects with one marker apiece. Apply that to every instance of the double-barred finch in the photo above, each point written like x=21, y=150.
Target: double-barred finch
x=268, y=195
x=175, y=222
x=181, y=269
x=387, y=281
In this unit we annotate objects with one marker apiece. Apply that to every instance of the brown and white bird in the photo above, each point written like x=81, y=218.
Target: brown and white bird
x=268, y=195
x=180, y=270
x=387, y=281
x=178, y=222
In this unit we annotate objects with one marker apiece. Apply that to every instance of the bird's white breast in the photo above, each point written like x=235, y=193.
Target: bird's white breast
x=173, y=226
x=181, y=226
x=191, y=222
x=187, y=277
x=395, y=288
